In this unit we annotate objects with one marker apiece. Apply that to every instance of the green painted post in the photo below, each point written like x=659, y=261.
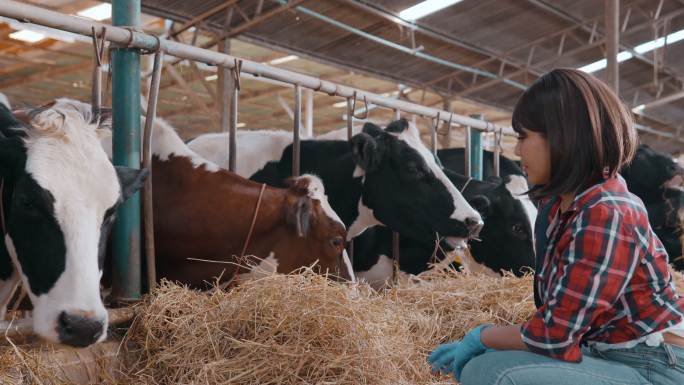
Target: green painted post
x=476, y=151
x=126, y=121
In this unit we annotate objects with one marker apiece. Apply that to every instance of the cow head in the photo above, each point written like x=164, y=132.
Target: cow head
x=650, y=171
x=666, y=218
x=405, y=188
x=319, y=228
x=506, y=241
x=61, y=193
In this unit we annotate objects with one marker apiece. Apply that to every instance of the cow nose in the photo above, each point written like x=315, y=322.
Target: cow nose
x=79, y=331
x=474, y=226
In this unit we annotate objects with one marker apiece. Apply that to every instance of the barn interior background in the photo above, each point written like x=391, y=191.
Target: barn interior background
x=472, y=58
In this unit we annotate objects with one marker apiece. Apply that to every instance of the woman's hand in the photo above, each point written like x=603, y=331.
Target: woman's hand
x=452, y=357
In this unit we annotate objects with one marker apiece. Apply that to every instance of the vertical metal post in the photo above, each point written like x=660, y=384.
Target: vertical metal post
x=297, y=116
x=350, y=133
x=475, y=148
x=467, y=160
x=227, y=96
x=433, y=135
x=396, y=254
x=350, y=119
x=497, y=153
x=446, y=138
x=309, y=112
x=148, y=213
x=126, y=142
x=96, y=96
x=233, y=92
x=612, y=27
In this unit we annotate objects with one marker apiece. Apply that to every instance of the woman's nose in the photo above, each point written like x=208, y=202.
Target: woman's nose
x=517, y=148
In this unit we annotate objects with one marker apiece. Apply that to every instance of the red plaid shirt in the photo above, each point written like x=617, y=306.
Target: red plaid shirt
x=603, y=275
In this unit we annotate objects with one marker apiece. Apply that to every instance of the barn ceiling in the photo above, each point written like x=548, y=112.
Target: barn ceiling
x=475, y=56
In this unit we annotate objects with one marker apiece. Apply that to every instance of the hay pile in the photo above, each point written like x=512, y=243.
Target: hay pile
x=304, y=329
x=30, y=363
x=678, y=278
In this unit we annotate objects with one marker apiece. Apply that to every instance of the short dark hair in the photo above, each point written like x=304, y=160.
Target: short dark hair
x=590, y=132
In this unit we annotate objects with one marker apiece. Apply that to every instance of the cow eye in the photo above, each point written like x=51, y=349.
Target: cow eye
x=337, y=242
x=517, y=229
x=416, y=172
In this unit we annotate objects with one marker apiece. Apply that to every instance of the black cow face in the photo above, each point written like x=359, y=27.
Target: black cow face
x=666, y=217
x=650, y=171
x=60, y=192
x=506, y=240
x=405, y=188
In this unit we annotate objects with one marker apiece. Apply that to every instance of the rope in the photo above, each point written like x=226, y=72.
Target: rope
x=466, y=184
x=254, y=218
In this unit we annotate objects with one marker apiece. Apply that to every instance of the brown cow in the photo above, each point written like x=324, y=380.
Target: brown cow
x=203, y=215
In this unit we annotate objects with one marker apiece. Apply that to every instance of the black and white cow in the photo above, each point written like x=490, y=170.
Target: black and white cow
x=657, y=179
x=383, y=177
x=666, y=217
x=254, y=147
x=505, y=242
x=262, y=146
x=59, y=196
x=516, y=182
x=650, y=172
x=514, y=179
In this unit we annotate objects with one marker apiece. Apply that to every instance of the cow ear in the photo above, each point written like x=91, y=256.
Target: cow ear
x=299, y=214
x=372, y=129
x=102, y=117
x=365, y=152
x=131, y=180
x=12, y=157
x=298, y=185
x=398, y=126
x=482, y=204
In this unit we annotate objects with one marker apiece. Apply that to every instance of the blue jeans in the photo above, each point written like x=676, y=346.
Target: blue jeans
x=640, y=365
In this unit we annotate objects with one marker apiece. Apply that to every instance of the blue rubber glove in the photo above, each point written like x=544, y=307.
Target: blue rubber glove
x=453, y=356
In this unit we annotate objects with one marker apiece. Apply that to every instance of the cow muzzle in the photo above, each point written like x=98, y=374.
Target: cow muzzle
x=474, y=226
x=79, y=331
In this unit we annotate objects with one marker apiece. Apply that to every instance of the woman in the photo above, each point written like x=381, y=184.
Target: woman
x=607, y=309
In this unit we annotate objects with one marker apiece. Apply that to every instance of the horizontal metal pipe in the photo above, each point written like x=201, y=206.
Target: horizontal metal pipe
x=130, y=38
x=24, y=326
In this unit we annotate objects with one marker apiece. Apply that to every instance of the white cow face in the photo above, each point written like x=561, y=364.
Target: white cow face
x=60, y=195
